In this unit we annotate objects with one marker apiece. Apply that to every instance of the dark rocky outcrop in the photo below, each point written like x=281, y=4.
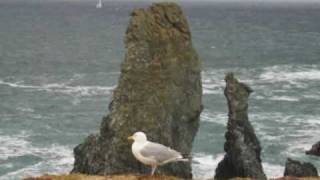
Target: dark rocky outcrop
x=315, y=150
x=159, y=92
x=242, y=147
x=297, y=169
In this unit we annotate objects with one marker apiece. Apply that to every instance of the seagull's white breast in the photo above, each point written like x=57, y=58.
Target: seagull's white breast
x=136, y=148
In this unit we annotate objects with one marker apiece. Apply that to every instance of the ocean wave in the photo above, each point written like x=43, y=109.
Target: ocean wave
x=284, y=98
x=25, y=109
x=211, y=91
x=272, y=82
x=212, y=83
x=54, y=159
x=290, y=73
x=12, y=146
x=286, y=95
x=315, y=96
x=294, y=132
x=270, y=119
x=272, y=170
x=215, y=117
x=204, y=165
x=63, y=88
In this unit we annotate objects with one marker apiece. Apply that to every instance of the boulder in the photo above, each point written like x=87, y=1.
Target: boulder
x=159, y=92
x=298, y=169
x=242, y=147
x=315, y=150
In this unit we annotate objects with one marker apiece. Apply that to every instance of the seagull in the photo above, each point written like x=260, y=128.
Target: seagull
x=151, y=153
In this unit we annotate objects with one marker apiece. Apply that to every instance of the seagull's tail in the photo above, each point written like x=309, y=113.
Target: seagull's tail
x=185, y=158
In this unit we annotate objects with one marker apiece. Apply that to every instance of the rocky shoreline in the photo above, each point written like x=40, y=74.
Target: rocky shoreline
x=138, y=177
x=159, y=92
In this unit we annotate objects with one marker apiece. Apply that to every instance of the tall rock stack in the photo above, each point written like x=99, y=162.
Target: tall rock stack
x=159, y=92
x=242, y=147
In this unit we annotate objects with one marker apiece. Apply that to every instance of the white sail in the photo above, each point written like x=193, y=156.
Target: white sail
x=99, y=4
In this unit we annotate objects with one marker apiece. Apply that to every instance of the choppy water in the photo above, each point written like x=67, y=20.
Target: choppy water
x=60, y=61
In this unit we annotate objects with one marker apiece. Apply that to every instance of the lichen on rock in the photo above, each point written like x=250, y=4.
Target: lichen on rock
x=242, y=147
x=159, y=92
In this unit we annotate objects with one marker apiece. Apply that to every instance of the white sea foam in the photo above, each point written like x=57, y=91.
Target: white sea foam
x=284, y=98
x=290, y=73
x=63, y=88
x=209, y=91
x=273, y=170
x=258, y=97
x=215, y=117
x=54, y=158
x=11, y=147
x=306, y=133
x=271, y=83
x=315, y=96
x=299, y=146
x=25, y=109
x=212, y=81
x=298, y=132
x=212, y=87
x=204, y=165
x=290, y=76
x=313, y=121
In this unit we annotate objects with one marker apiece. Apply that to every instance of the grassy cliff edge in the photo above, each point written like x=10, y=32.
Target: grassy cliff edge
x=134, y=177
x=94, y=177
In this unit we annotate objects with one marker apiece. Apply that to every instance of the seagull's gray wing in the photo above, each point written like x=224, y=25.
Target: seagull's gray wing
x=159, y=152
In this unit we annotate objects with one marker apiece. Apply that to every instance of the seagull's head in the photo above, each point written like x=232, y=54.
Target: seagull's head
x=138, y=136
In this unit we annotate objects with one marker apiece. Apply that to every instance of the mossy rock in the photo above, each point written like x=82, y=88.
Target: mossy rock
x=159, y=92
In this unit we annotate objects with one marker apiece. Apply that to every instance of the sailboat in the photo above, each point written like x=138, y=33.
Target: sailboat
x=99, y=4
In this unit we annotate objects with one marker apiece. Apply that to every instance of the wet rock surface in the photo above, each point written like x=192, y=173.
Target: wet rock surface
x=315, y=149
x=242, y=147
x=298, y=169
x=159, y=92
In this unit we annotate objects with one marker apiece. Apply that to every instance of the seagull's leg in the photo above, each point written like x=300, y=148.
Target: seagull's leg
x=154, y=167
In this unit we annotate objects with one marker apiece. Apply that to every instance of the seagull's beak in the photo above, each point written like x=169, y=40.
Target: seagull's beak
x=130, y=138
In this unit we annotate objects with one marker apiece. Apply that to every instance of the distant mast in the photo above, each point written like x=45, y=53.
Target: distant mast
x=99, y=4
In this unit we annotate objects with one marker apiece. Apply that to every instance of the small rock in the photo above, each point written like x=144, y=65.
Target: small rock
x=297, y=169
x=315, y=150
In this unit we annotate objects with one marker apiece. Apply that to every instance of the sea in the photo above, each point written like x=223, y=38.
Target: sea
x=60, y=61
